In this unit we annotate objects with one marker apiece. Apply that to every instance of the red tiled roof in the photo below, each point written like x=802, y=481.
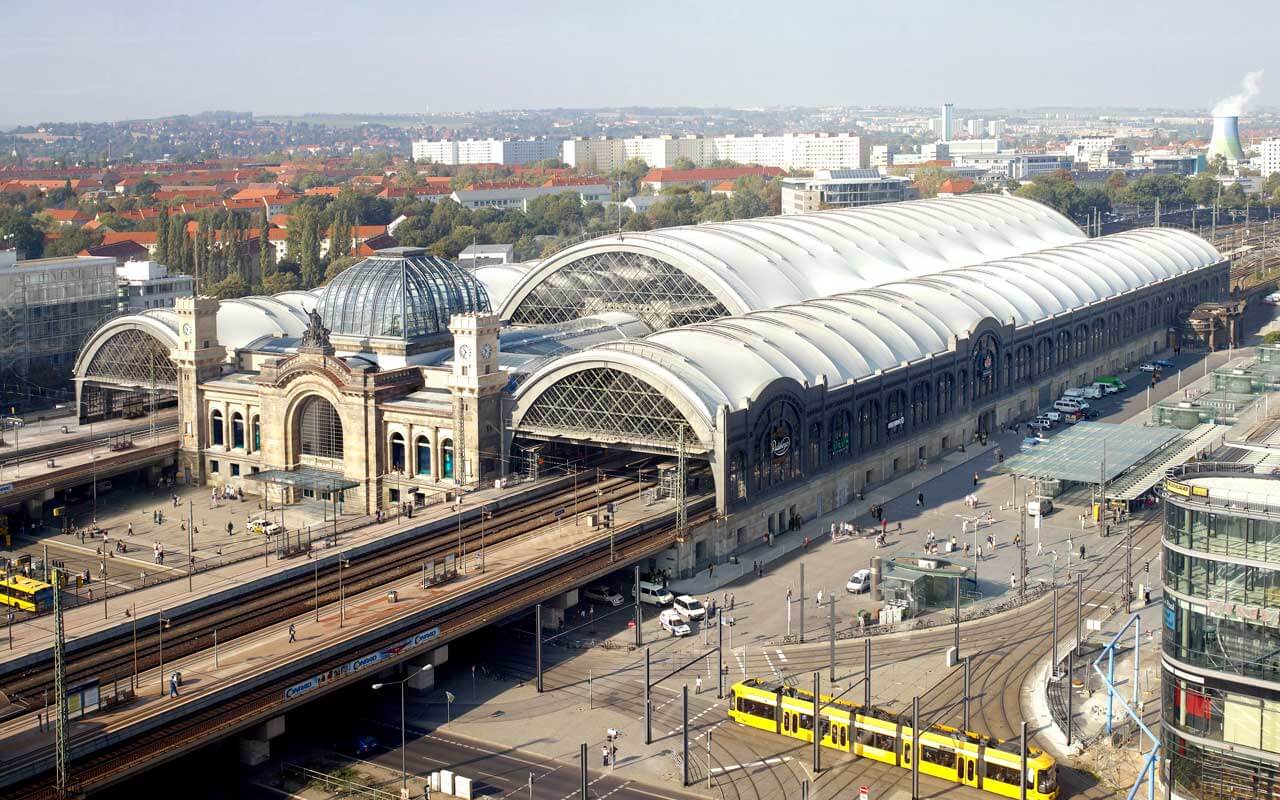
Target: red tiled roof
x=323, y=191
x=140, y=237
x=65, y=214
x=117, y=250
x=588, y=181
x=723, y=186
x=955, y=186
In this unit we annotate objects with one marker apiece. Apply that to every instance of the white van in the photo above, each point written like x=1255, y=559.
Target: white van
x=673, y=624
x=688, y=608
x=1068, y=405
x=1106, y=388
x=654, y=594
x=1090, y=392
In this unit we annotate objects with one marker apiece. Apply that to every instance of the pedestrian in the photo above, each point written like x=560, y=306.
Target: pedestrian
x=1013, y=580
x=919, y=499
x=1082, y=552
x=819, y=597
x=697, y=685
x=293, y=633
x=730, y=601
x=230, y=526
x=979, y=552
x=788, y=594
x=604, y=755
x=975, y=479
x=1039, y=549
x=173, y=685
x=884, y=526
x=966, y=549
x=1017, y=540
x=130, y=529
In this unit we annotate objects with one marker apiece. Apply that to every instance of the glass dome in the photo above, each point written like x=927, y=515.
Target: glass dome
x=401, y=293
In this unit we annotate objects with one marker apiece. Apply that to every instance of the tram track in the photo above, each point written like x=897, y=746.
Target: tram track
x=113, y=659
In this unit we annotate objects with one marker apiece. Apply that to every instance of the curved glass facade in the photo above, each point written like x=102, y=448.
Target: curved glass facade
x=402, y=298
x=1221, y=709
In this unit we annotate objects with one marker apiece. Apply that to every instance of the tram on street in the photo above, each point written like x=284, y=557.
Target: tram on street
x=964, y=757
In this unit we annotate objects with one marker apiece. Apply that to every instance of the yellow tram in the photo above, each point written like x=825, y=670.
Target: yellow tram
x=26, y=593
x=963, y=757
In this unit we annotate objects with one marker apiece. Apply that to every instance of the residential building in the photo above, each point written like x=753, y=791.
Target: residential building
x=1221, y=633
x=958, y=147
x=882, y=155
x=483, y=255
x=1013, y=165
x=948, y=120
x=1269, y=157
x=48, y=307
x=641, y=203
x=844, y=188
x=977, y=128
x=789, y=151
x=659, y=179
x=996, y=127
x=1099, y=152
x=517, y=196
x=486, y=151
x=148, y=284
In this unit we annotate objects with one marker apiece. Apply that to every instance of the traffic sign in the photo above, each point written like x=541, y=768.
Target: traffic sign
x=864, y=792
x=559, y=512
x=5, y=488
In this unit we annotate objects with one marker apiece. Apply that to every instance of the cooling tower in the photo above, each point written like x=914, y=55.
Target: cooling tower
x=1226, y=139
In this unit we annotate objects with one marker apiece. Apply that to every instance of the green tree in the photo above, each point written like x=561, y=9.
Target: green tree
x=1203, y=189
x=17, y=230
x=341, y=235
x=162, y=238
x=683, y=163
x=309, y=258
x=266, y=253
x=278, y=282
x=233, y=285
x=72, y=242
x=928, y=180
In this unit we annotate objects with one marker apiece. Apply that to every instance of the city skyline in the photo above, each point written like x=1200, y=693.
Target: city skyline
x=449, y=59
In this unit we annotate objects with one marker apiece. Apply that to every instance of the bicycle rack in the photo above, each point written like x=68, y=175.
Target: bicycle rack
x=1108, y=652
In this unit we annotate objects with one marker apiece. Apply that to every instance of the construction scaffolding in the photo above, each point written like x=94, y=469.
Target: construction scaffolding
x=48, y=307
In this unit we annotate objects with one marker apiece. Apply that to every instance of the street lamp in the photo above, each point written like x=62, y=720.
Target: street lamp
x=342, y=595
x=404, y=773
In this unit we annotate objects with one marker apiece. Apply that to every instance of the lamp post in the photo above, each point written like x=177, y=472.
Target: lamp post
x=485, y=516
x=404, y=773
x=342, y=594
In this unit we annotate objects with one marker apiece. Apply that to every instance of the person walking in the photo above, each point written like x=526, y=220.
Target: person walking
x=130, y=529
x=173, y=685
x=975, y=479
x=293, y=633
x=919, y=499
x=697, y=684
x=1013, y=580
x=230, y=527
x=1082, y=552
x=819, y=597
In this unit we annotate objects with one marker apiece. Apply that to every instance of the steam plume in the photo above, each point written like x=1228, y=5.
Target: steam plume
x=1234, y=105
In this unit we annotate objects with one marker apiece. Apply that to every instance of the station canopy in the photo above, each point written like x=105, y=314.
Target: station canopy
x=1090, y=451
x=304, y=477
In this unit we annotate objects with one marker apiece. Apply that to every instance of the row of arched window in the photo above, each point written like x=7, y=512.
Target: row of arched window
x=421, y=456
x=218, y=433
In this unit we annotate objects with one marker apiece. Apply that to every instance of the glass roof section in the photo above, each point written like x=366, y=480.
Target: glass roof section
x=401, y=293
x=1088, y=450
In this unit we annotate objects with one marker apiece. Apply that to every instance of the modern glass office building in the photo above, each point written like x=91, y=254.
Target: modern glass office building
x=1221, y=644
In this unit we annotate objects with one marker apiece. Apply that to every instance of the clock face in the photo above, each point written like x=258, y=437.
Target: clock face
x=486, y=350
x=464, y=352
x=187, y=329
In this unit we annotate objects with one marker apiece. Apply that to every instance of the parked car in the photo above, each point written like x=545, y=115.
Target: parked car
x=364, y=745
x=263, y=526
x=688, y=608
x=1052, y=416
x=1147, y=367
x=1073, y=417
x=1164, y=363
x=671, y=622
x=859, y=582
x=1040, y=424
x=602, y=594
x=1091, y=413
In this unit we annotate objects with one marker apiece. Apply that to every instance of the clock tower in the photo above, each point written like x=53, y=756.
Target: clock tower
x=476, y=383
x=199, y=358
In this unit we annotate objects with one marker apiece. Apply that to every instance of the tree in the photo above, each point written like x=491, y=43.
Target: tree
x=1169, y=189
x=1271, y=338
x=162, y=238
x=341, y=236
x=928, y=180
x=309, y=258
x=72, y=242
x=1203, y=189
x=1116, y=183
x=18, y=231
x=145, y=188
x=683, y=163
x=266, y=252
x=233, y=285
x=278, y=282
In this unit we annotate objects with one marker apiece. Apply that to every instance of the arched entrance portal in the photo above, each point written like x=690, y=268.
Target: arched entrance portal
x=319, y=432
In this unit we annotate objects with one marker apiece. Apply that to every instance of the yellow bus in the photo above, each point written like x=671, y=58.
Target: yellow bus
x=26, y=593
x=964, y=757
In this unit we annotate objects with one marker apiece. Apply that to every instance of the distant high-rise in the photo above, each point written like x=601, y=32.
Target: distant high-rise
x=1226, y=139
x=948, y=120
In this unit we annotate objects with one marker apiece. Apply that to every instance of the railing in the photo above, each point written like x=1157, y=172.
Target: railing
x=336, y=784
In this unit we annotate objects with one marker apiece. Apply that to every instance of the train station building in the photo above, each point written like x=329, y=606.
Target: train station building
x=783, y=364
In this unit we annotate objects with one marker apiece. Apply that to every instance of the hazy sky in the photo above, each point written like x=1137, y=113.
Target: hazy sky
x=77, y=60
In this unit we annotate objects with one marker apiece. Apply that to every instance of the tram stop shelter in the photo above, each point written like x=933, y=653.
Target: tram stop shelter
x=922, y=582
x=1089, y=453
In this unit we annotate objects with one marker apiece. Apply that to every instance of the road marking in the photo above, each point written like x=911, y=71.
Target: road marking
x=742, y=665
x=767, y=762
x=772, y=668
x=781, y=655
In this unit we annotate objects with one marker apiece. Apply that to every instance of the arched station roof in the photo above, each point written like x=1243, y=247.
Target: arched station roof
x=240, y=322
x=753, y=264
x=846, y=337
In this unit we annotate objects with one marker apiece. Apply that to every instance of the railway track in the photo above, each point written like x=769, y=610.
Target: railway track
x=55, y=449
x=124, y=758
x=113, y=659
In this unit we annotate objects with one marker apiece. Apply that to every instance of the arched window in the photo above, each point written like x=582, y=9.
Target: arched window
x=1022, y=362
x=1044, y=356
x=869, y=425
x=963, y=396
x=422, y=455
x=255, y=432
x=319, y=429
x=217, y=435
x=986, y=355
x=1081, y=341
x=446, y=458
x=237, y=430
x=1113, y=330
x=1064, y=347
x=737, y=482
x=920, y=404
x=839, y=441
x=896, y=424
x=397, y=452
x=815, y=446
x=1129, y=317
x=1099, y=335
x=946, y=395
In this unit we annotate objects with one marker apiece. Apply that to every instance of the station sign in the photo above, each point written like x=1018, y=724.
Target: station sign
x=362, y=663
